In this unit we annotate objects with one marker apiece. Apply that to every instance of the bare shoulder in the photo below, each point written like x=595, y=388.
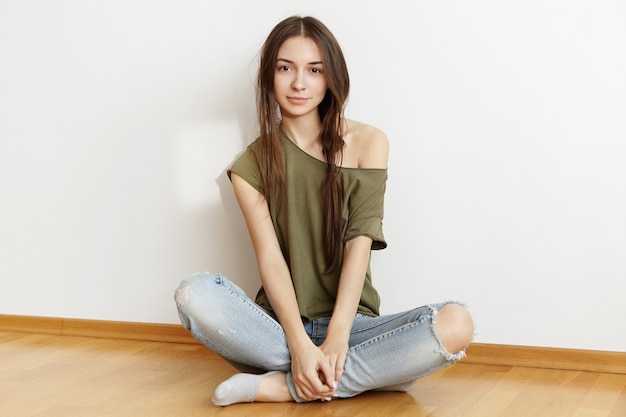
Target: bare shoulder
x=366, y=145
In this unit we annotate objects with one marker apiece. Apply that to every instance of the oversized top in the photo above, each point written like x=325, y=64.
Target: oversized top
x=299, y=224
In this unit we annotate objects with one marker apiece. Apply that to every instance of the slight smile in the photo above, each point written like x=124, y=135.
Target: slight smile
x=297, y=100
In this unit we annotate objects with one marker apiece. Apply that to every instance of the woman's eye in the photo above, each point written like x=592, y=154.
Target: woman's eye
x=283, y=68
x=316, y=70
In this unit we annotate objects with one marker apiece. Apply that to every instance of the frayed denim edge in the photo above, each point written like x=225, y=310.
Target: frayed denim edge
x=451, y=357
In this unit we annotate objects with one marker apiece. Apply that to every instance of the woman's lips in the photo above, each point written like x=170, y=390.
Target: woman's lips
x=297, y=100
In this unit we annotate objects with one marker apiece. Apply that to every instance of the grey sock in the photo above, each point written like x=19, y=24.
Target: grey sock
x=239, y=388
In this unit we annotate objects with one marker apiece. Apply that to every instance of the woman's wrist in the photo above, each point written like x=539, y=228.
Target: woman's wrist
x=296, y=338
x=339, y=331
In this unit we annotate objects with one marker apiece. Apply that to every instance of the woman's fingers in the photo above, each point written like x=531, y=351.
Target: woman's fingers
x=313, y=374
x=339, y=365
x=312, y=386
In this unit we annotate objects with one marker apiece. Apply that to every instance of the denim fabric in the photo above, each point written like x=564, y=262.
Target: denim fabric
x=386, y=353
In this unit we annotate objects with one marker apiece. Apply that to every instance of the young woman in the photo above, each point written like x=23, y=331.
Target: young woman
x=311, y=191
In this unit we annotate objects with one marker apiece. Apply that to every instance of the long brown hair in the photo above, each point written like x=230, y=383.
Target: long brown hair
x=331, y=115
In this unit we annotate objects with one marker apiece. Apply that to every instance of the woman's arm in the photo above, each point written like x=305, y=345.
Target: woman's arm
x=356, y=259
x=368, y=148
x=308, y=362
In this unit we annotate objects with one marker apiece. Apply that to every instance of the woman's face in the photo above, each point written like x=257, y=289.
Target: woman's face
x=299, y=80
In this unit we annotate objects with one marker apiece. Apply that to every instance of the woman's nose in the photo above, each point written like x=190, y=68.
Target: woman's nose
x=298, y=81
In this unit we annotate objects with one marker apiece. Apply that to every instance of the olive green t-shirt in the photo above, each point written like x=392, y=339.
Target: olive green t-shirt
x=298, y=222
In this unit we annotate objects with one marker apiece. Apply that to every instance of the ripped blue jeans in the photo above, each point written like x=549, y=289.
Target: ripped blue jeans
x=385, y=353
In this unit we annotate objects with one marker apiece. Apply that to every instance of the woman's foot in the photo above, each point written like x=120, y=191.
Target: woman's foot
x=247, y=388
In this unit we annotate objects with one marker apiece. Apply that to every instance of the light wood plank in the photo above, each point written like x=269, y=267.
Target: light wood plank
x=493, y=403
x=619, y=408
x=588, y=412
x=605, y=393
x=68, y=376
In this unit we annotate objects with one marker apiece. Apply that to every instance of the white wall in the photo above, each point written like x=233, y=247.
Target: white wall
x=507, y=183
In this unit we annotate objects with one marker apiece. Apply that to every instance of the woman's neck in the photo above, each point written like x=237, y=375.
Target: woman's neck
x=304, y=133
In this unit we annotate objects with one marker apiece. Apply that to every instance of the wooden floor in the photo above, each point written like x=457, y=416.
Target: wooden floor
x=54, y=376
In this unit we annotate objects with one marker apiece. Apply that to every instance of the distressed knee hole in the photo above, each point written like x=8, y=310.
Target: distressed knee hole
x=182, y=295
x=453, y=328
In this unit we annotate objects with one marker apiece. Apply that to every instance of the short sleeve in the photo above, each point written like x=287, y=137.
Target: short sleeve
x=365, y=196
x=247, y=167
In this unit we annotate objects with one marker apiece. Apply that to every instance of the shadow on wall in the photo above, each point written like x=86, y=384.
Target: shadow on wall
x=214, y=229
x=240, y=262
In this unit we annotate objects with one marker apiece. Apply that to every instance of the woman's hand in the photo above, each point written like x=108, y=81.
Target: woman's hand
x=351, y=280
x=312, y=373
x=336, y=351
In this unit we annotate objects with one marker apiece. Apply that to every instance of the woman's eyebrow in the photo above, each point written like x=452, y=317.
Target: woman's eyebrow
x=291, y=62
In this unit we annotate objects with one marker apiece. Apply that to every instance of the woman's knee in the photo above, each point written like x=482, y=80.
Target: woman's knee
x=454, y=327
x=183, y=292
x=199, y=288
